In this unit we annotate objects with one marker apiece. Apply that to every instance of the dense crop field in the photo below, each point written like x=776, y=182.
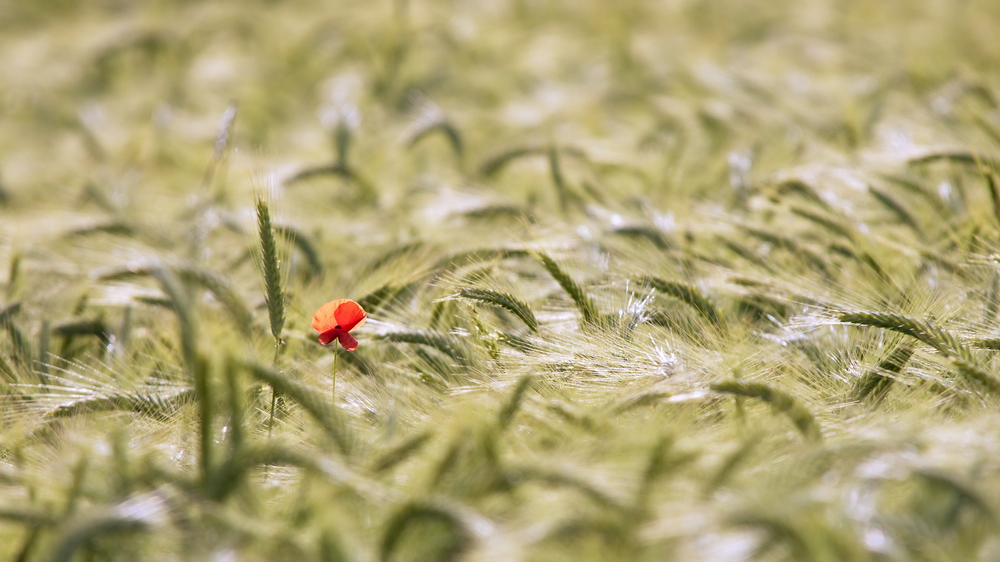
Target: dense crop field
x=645, y=280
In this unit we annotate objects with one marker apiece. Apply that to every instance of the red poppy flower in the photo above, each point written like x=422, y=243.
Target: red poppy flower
x=335, y=319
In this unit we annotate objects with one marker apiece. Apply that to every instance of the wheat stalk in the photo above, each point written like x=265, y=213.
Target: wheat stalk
x=269, y=264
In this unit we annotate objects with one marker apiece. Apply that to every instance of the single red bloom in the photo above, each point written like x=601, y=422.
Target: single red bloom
x=335, y=319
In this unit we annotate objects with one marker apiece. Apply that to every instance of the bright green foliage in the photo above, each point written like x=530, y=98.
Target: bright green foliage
x=647, y=280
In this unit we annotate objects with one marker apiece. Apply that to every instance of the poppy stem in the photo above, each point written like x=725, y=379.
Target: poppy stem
x=334, y=385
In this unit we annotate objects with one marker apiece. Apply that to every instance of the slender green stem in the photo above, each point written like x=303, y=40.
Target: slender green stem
x=270, y=421
x=274, y=393
x=334, y=385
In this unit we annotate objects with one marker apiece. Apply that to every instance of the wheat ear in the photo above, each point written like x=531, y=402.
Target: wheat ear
x=502, y=300
x=688, y=294
x=583, y=301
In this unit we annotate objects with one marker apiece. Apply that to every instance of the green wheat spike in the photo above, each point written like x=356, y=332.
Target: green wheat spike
x=802, y=189
x=579, y=419
x=83, y=327
x=991, y=187
x=498, y=212
x=9, y=311
x=465, y=259
x=222, y=289
x=397, y=253
x=381, y=296
x=583, y=302
x=987, y=343
x=730, y=464
x=520, y=344
x=862, y=256
x=222, y=142
x=561, y=479
x=448, y=545
x=792, y=245
x=503, y=300
x=826, y=222
x=942, y=340
x=45, y=349
x=960, y=156
x=514, y=402
x=331, y=548
x=689, y=294
x=778, y=399
x=441, y=312
x=401, y=452
x=890, y=202
x=662, y=459
x=963, y=491
x=192, y=273
x=23, y=351
x=274, y=293
x=447, y=128
x=442, y=342
x=448, y=460
x=876, y=382
x=487, y=338
x=118, y=227
x=638, y=401
x=299, y=239
x=913, y=186
x=977, y=374
x=745, y=253
x=558, y=180
x=158, y=405
x=13, y=276
x=495, y=164
x=8, y=377
x=653, y=235
x=135, y=514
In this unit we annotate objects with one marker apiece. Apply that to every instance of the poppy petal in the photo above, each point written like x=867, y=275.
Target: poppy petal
x=348, y=341
x=350, y=315
x=325, y=318
x=328, y=336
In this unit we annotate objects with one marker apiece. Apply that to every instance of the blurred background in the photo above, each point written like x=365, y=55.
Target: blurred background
x=131, y=94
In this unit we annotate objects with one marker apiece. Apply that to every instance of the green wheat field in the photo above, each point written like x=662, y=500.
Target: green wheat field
x=646, y=280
